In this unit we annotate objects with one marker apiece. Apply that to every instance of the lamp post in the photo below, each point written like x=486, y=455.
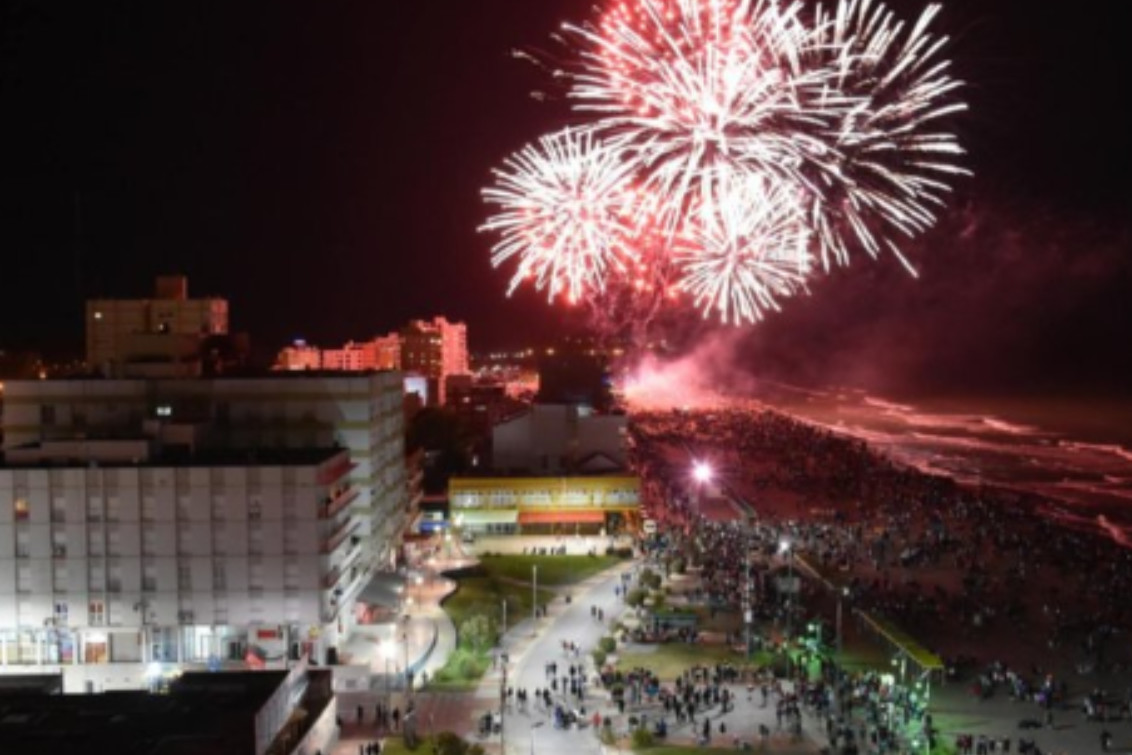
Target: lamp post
x=408, y=679
x=534, y=594
x=504, y=631
x=785, y=549
x=503, y=704
x=702, y=474
x=534, y=726
x=841, y=593
x=747, y=607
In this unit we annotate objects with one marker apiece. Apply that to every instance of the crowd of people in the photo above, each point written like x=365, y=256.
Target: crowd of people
x=984, y=576
x=918, y=549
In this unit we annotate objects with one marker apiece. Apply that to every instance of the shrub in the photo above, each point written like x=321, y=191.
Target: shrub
x=477, y=633
x=607, y=644
x=650, y=579
x=642, y=738
x=606, y=734
x=619, y=552
x=599, y=657
x=636, y=597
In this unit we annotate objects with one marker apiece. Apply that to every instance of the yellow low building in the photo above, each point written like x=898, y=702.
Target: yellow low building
x=566, y=505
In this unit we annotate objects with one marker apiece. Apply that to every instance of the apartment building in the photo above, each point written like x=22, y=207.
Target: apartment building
x=141, y=550
x=134, y=429
x=165, y=330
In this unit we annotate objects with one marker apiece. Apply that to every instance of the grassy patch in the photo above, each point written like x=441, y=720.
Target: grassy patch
x=671, y=659
x=485, y=596
x=478, y=593
x=462, y=671
x=696, y=750
x=553, y=571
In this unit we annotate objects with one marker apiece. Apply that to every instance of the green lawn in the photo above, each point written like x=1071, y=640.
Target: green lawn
x=696, y=750
x=486, y=595
x=553, y=571
x=671, y=659
x=482, y=596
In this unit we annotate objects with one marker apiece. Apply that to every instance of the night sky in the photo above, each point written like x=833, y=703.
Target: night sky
x=320, y=167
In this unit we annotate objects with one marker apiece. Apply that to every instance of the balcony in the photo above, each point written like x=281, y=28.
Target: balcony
x=341, y=535
x=331, y=506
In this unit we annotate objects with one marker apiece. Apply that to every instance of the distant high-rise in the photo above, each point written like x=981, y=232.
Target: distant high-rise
x=163, y=335
x=436, y=349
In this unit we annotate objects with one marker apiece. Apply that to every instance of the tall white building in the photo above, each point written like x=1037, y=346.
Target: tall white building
x=251, y=418
x=113, y=551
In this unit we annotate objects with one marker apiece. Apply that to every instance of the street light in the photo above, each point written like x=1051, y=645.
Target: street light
x=785, y=549
x=842, y=593
x=408, y=681
x=534, y=726
x=534, y=595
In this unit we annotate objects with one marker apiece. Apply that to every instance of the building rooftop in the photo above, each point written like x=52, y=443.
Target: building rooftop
x=211, y=713
x=23, y=457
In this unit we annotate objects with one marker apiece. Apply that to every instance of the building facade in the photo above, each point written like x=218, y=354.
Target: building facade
x=436, y=349
x=360, y=414
x=168, y=328
x=112, y=551
x=560, y=439
x=382, y=353
x=560, y=505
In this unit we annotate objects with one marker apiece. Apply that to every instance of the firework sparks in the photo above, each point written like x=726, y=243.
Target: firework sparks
x=745, y=250
x=893, y=157
x=742, y=139
x=690, y=87
x=565, y=208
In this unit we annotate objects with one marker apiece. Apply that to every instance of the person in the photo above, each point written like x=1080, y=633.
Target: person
x=361, y=713
x=396, y=719
x=1106, y=740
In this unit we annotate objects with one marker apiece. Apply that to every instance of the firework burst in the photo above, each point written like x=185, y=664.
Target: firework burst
x=731, y=144
x=564, y=212
x=692, y=87
x=744, y=250
x=892, y=158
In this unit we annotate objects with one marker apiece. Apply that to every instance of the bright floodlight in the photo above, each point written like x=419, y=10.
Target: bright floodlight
x=701, y=472
x=784, y=546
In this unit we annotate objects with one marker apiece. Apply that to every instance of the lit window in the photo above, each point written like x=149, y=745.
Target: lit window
x=98, y=315
x=165, y=411
x=21, y=508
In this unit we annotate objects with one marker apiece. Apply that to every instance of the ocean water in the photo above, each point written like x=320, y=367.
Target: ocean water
x=1075, y=451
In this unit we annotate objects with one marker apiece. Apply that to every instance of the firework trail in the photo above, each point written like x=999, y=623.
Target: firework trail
x=733, y=143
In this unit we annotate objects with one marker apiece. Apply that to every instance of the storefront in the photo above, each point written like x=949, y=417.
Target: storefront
x=545, y=505
x=488, y=522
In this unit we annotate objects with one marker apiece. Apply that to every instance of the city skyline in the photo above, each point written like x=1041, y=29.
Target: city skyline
x=337, y=159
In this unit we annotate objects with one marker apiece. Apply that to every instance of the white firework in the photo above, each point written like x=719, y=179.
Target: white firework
x=893, y=157
x=690, y=87
x=565, y=212
x=744, y=250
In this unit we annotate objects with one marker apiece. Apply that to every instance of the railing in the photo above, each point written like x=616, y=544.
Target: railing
x=331, y=507
x=333, y=542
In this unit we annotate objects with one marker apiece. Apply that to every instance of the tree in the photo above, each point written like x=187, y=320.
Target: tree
x=447, y=743
x=477, y=633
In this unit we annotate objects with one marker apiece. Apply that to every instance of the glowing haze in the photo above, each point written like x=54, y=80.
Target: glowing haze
x=748, y=139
